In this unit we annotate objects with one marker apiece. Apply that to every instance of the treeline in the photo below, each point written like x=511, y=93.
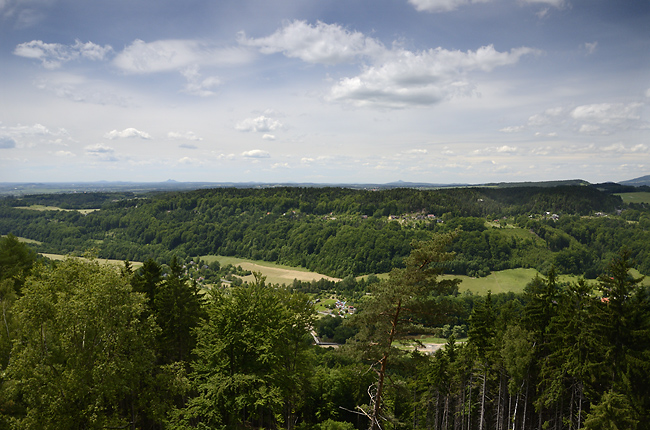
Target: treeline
x=341, y=232
x=90, y=346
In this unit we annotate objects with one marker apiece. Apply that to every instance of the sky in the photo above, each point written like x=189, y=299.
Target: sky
x=324, y=91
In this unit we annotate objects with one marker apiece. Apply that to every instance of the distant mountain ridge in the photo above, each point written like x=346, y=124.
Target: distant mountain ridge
x=643, y=180
x=16, y=189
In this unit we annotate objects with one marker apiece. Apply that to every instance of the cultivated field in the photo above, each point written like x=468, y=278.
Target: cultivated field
x=120, y=263
x=275, y=273
x=54, y=208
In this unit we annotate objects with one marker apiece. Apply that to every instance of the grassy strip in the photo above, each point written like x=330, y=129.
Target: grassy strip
x=54, y=208
x=642, y=197
x=119, y=263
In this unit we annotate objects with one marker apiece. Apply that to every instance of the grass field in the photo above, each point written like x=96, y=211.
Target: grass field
x=54, y=208
x=275, y=273
x=120, y=263
x=25, y=240
x=643, y=197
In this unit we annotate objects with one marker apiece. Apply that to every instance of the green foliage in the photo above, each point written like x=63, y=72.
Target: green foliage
x=250, y=362
x=82, y=349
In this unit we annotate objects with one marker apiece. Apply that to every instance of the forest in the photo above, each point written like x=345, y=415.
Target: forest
x=86, y=345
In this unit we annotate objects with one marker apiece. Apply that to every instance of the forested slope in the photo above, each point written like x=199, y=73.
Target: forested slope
x=340, y=232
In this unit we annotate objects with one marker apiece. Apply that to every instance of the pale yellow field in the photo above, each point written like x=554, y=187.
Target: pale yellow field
x=134, y=264
x=54, y=208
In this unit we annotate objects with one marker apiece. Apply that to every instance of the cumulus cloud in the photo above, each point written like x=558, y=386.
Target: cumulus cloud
x=268, y=137
x=260, y=124
x=127, y=133
x=197, y=85
x=421, y=78
x=189, y=135
x=608, y=113
x=417, y=152
x=53, y=55
x=142, y=57
x=256, y=153
x=321, y=43
x=441, y=5
x=29, y=135
x=7, y=142
x=101, y=152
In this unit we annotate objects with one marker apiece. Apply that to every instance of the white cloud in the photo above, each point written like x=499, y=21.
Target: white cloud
x=168, y=55
x=188, y=146
x=66, y=154
x=280, y=166
x=268, y=137
x=189, y=135
x=82, y=90
x=53, y=55
x=591, y=47
x=554, y=3
x=647, y=93
x=99, y=148
x=256, y=153
x=127, y=133
x=512, y=129
x=260, y=124
x=101, y=152
x=197, y=85
x=608, y=113
x=441, y=5
x=423, y=78
x=417, y=151
x=321, y=43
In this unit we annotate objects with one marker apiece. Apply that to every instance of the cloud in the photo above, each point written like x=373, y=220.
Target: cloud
x=127, y=133
x=554, y=3
x=66, y=154
x=99, y=148
x=53, y=55
x=505, y=149
x=7, y=142
x=608, y=113
x=280, y=166
x=268, y=137
x=81, y=90
x=441, y=5
x=256, y=153
x=189, y=135
x=417, y=151
x=512, y=129
x=421, y=78
x=321, y=43
x=176, y=54
x=101, y=152
x=260, y=124
x=197, y=85
x=590, y=47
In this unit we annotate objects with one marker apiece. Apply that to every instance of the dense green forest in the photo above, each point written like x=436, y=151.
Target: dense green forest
x=91, y=346
x=342, y=232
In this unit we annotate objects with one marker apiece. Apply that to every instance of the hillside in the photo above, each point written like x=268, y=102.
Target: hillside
x=341, y=232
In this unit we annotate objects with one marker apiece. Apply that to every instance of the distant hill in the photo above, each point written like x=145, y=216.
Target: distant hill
x=542, y=184
x=643, y=180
